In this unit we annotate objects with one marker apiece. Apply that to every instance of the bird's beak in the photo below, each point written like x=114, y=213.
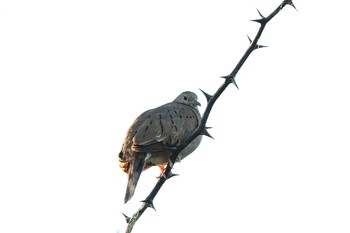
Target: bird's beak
x=196, y=103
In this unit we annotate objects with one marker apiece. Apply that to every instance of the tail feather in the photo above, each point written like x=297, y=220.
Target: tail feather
x=135, y=169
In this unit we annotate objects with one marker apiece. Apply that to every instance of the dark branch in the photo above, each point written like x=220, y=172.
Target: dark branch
x=202, y=129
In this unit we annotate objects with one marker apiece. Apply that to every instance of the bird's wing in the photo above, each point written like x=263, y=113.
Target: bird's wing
x=164, y=127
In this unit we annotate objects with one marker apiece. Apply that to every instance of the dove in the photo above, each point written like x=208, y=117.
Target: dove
x=153, y=135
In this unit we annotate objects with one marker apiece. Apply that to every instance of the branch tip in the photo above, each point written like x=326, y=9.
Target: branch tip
x=290, y=2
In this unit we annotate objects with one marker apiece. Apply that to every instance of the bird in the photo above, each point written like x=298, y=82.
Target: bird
x=154, y=133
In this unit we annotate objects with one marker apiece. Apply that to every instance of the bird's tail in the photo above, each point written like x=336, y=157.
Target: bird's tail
x=135, y=168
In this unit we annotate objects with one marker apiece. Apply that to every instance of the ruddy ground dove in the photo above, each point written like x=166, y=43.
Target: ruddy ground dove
x=155, y=133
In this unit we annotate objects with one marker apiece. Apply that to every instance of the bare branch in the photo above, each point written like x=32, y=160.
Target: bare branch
x=131, y=221
x=202, y=129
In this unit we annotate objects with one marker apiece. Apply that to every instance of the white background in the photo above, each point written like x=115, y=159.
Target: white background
x=75, y=74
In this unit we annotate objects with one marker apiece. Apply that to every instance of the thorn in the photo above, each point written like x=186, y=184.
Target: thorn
x=127, y=218
x=234, y=82
x=231, y=79
x=149, y=203
x=260, y=13
x=250, y=40
x=206, y=133
x=260, y=46
x=257, y=46
x=172, y=175
x=261, y=21
x=207, y=96
x=290, y=2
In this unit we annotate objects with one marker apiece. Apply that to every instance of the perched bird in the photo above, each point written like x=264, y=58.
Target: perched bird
x=154, y=133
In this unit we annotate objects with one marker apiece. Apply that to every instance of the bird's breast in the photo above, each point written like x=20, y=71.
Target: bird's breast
x=157, y=158
x=162, y=157
x=190, y=148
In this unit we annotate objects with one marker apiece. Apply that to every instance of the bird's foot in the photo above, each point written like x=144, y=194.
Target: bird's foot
x=162, y=173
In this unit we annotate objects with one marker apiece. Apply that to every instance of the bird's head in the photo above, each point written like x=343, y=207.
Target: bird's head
x=188, y=98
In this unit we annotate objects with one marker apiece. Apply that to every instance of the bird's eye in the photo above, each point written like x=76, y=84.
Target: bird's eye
x=184, y=98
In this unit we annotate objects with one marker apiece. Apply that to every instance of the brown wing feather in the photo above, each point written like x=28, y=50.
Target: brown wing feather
x=164, y=127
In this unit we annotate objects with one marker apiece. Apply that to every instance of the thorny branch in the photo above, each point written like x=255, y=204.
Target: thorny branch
x=211, y=99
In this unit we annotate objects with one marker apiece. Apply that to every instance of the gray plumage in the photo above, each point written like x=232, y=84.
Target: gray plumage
x=156, y=131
